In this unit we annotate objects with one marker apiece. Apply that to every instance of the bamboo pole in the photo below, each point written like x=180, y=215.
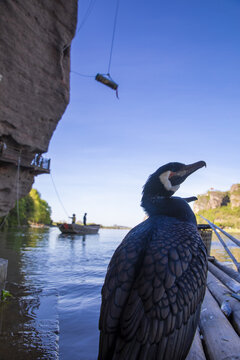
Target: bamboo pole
x=236, y=241
x=236, y=263
x=221, y=293
x=232, y=284
x=221, y=341
x=196, y=352
x=229, y=271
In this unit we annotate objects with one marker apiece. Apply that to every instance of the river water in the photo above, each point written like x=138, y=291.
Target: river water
x=56, y=285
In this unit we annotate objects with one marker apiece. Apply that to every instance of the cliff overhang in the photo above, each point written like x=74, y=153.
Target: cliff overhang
x=35, y=42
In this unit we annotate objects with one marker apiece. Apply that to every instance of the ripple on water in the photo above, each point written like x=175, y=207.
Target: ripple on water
x=56, y=282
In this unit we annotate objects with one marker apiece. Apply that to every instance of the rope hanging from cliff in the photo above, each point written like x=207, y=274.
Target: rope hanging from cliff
x=3, y=221
x=83, y=75
x=18, y=185
x=58, y=196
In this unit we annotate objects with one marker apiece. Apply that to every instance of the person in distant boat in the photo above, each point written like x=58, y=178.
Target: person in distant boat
x=73, y=217
x=85, y=219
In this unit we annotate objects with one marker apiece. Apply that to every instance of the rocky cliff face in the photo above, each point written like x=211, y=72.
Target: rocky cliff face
x=235, y=195
x=35, y=39
x=216, y=199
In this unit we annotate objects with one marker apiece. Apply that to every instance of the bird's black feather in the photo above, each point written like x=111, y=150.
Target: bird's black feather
x=154, y=287
x=164, y=294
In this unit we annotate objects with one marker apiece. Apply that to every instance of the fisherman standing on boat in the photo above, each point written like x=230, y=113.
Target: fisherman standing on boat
x=85, y=219
x=73, y=217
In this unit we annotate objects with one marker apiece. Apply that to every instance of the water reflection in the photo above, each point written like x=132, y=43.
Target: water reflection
x=219, y=252
x=28, y=330
x=56, y=281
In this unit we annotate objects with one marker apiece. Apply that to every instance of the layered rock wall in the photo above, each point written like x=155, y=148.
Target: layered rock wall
x=35, y=40
x=216, y=199
x=235, y=195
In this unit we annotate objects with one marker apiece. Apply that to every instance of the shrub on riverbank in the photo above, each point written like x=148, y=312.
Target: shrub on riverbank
x=30, y=209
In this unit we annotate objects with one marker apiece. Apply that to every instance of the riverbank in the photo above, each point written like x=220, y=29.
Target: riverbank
x=115, y=227
x=230, y=230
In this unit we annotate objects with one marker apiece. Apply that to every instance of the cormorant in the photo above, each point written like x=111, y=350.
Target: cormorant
x=156, y=279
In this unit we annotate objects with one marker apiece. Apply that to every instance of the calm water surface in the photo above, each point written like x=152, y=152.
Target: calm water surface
x=56, y=284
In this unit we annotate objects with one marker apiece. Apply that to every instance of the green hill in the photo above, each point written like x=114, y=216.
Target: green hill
x=220, y=207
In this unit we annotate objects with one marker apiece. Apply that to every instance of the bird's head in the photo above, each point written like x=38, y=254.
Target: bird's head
x=163, y=184
x=167, y=179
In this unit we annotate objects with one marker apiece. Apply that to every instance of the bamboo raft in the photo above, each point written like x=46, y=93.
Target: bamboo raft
x=217, y=337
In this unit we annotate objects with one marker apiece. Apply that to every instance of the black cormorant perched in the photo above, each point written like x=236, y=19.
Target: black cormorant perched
x=156, y=279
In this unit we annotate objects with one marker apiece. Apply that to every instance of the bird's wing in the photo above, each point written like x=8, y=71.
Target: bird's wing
x=161, y=313
x=121, y=274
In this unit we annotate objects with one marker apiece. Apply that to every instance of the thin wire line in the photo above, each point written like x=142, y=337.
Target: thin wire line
x=58, y=196
x=77, y=73
x=91, y=5
x=4, y=220
x=113, y=36
x=87, y=14
x=18, y=180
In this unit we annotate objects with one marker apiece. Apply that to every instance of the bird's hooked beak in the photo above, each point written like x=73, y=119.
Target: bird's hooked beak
x=177, y=177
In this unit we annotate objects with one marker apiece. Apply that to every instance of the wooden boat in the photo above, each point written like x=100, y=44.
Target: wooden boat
x=78, y=229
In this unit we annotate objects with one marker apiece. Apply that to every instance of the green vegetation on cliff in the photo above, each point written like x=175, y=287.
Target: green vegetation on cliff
x=224, y=216
x=220, y=207
x=32, y=209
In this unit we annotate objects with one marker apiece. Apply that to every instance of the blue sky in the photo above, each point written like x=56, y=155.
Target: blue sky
x=177, y=66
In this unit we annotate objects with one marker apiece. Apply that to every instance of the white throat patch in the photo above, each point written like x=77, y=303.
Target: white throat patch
x=164, y=178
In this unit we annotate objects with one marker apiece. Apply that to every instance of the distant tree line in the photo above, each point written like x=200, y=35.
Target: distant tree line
x=31, y=209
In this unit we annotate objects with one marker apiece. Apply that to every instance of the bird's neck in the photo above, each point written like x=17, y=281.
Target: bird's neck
x=168, y=206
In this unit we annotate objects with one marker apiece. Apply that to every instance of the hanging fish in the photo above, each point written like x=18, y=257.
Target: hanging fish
x=107, y=80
